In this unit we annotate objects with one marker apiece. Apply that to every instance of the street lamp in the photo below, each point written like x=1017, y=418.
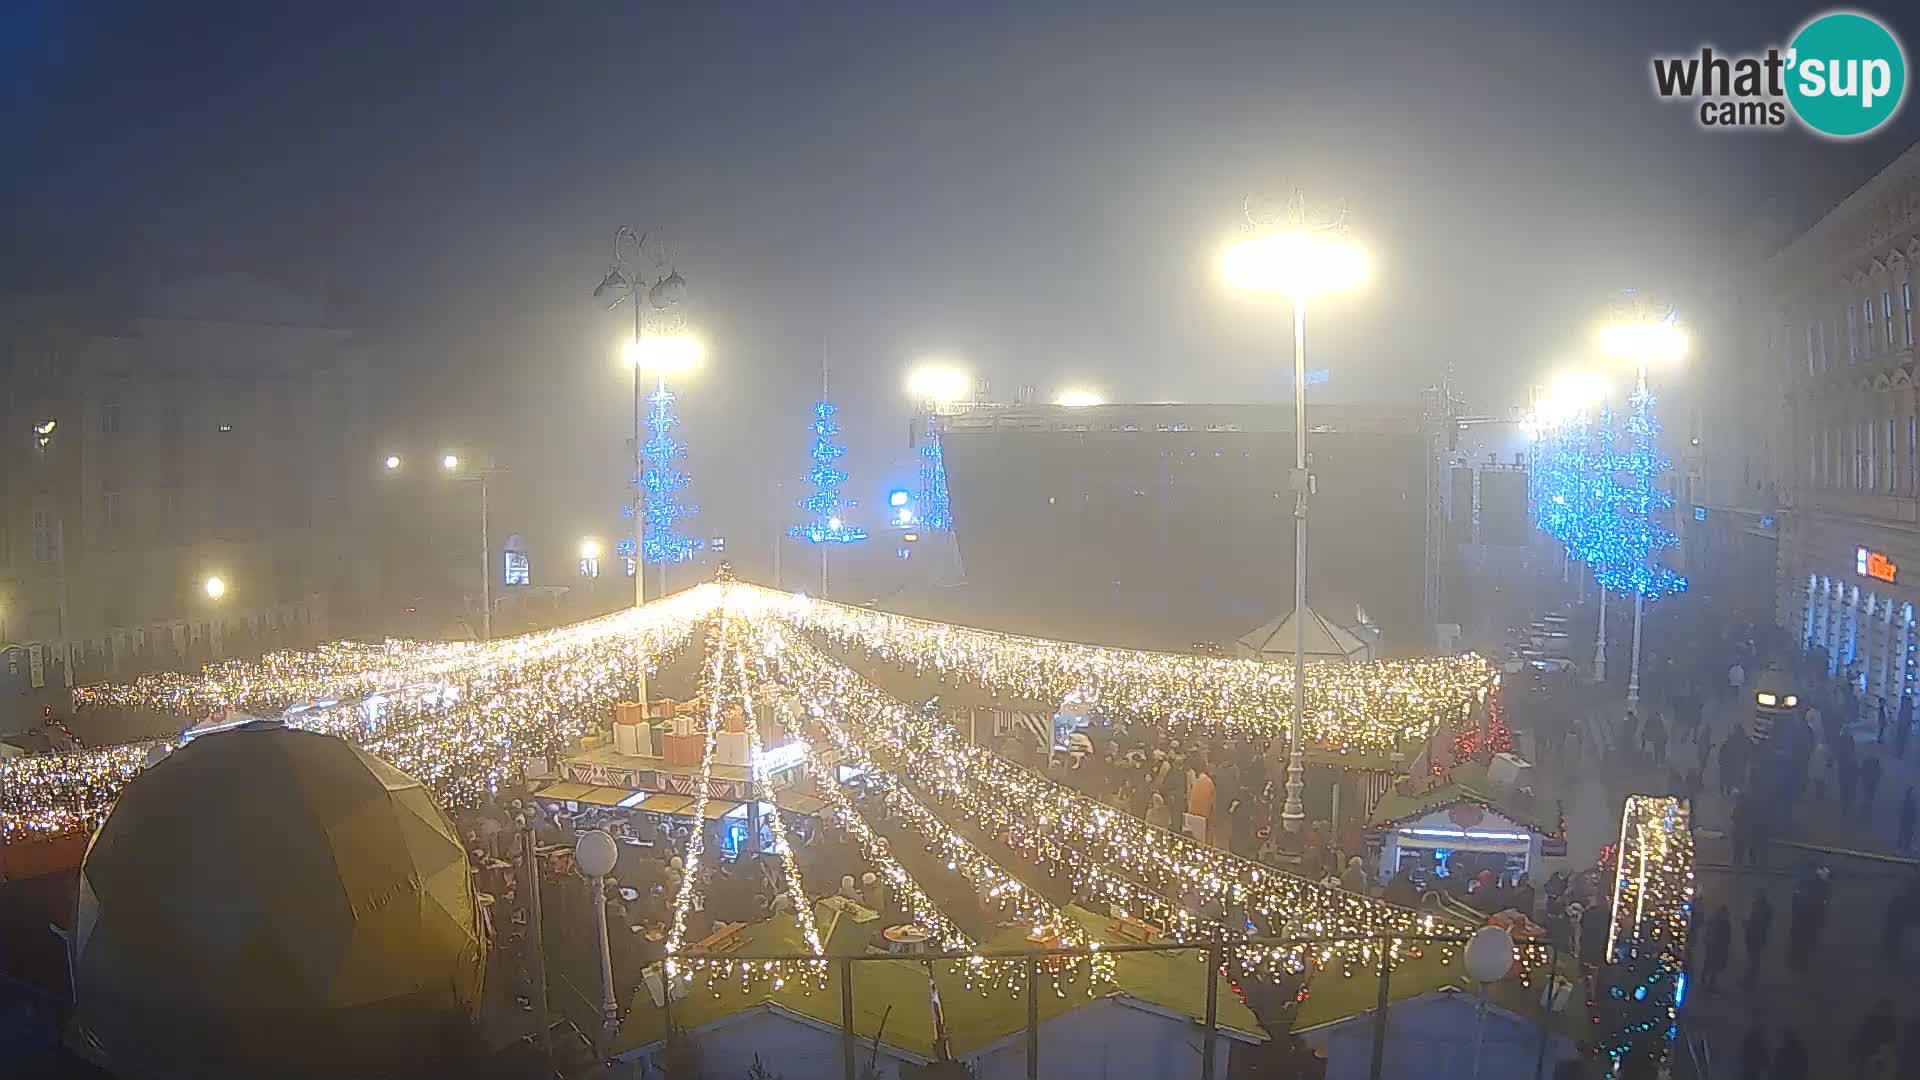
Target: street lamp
x=639, y=276
x=590, y=558
x=452, y=463
x=1643, y=339
x=596, y=855
x=935, y=382
x=1078, y=398
x=215, y=588
x=1299, y=259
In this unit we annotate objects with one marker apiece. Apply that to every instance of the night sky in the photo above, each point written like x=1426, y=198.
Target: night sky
x=1041, y=194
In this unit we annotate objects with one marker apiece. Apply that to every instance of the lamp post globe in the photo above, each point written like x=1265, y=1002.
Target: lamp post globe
x=1489, y=954
x=595, y=853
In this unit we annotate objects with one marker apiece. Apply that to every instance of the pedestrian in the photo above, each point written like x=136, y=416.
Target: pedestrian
x=1753, y=1053
x=1907, y=812
x=1818, y=763
x=1733, y=760
x=1903, y=909
x=1593, y=945
x=1719, y=942
x=1653, y=739
x=1847, y=769
x=1736, y=678
x=1629, y=734
x=1758, y=930
x=1790, y=1063
x=1869, y=782
x=1880, y=731
x=1874, y=1035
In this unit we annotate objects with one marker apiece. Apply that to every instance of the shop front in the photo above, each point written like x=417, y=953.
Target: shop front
x=1848, y=595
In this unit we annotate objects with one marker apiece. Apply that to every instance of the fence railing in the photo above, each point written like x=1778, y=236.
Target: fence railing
x=684, y=1019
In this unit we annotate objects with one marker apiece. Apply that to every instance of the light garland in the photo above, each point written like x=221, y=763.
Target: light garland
x=1370, y=708
x=1106, y=853
x=763, y=792
x=463, y=720
x=985, y=876
x=1647, y=934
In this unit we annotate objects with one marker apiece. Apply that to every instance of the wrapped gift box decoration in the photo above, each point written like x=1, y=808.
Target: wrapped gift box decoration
x=631, y=735
x=657, y=733
x=628, y=712
x=730, y=748
x=683, y=750
x=734, y=721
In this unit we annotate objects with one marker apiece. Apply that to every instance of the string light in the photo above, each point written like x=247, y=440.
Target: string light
x=1106, y=854
x=661, y=540
x=462, y=719
x=1647, y=932
x=1370, y=708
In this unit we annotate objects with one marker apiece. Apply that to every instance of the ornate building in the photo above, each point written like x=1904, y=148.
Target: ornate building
x=1849, y=470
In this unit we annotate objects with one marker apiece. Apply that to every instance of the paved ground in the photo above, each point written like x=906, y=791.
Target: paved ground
x=1851, y=970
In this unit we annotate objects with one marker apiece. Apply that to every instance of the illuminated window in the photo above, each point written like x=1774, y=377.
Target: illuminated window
x=516, y=571
x=110, y=415
x=1886, y=309
x=1867, y=346
x=1906, y=308
x=1893, y=459
x=1853, y=333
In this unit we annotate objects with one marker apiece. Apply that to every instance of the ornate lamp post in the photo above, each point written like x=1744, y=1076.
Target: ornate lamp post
x=1299, y=258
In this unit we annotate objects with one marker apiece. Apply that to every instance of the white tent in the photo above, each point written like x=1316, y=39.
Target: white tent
x=1325, y=641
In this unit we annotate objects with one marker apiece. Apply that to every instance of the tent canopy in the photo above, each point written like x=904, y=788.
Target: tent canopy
x=1326, y=640
x=265, y=901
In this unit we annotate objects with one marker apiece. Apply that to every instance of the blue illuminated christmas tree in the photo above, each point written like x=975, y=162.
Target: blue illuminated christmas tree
x=936, y=512
x=825, y=505
x=1630, y=538
x=663, y=481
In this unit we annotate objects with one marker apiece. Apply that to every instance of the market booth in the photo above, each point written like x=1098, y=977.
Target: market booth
x=1448, y=827
x=645, y=781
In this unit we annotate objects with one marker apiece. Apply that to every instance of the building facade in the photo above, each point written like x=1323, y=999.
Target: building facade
x=1849, y=552
x=221, y=430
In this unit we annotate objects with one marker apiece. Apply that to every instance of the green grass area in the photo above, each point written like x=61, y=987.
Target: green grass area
x=1174, y=981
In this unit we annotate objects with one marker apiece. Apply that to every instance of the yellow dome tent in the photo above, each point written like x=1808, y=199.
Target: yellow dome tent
x=272, y=902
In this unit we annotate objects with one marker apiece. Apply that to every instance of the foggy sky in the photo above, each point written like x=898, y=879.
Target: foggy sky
x=1040, y=194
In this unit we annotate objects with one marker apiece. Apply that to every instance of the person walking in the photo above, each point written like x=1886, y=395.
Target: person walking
x=1757, y=932
x=1903, y=909
x=1869, y=782
x=1653, y=739
x=1753, y=1053
x=1719, y=942
x=1873, y=1036
x=1790, y=1063
x=1736, y=678
x=1734, y=753
x=1904, y=843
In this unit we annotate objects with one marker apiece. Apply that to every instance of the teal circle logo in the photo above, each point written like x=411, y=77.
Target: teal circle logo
x=1846, y=74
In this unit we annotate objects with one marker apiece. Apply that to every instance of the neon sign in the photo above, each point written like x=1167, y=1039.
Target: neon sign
x=1875, y=565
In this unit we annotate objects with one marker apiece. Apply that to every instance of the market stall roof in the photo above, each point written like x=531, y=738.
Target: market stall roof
x=1273, y=640
x=665, y=803
x=563, y=792
x=719, y=808
x=799, y=802
x=607, y=796
x=607, y=755
x=1468, y=783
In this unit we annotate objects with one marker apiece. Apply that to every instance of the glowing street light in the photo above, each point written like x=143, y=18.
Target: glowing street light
x=1643, y=339
x=1080, y=398
x=450, y=462
x=589, y=549
x=1299, y=259
x=215, y=588
x=939, y=383
x=663, y=353
x=393, y=462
